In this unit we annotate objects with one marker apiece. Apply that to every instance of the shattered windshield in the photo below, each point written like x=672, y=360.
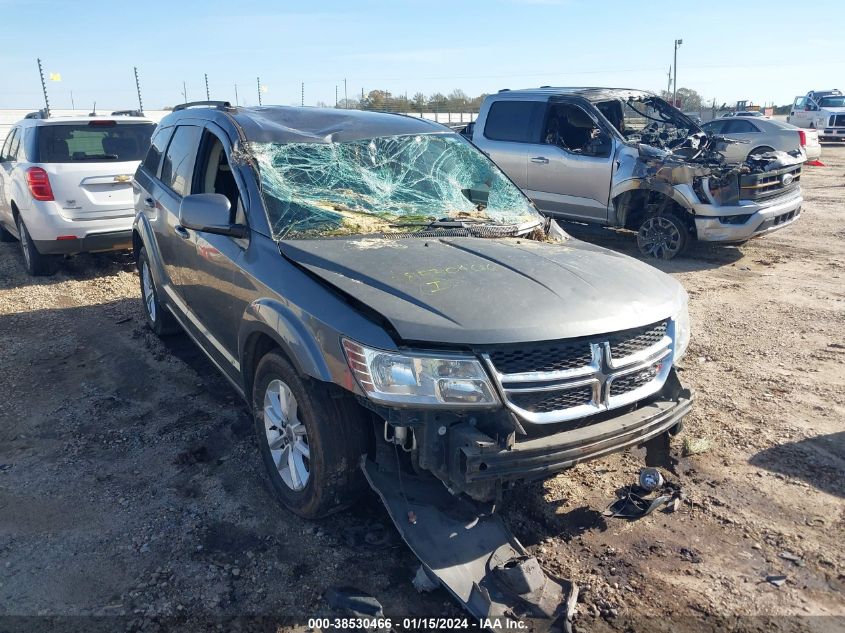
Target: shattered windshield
x=391, y=184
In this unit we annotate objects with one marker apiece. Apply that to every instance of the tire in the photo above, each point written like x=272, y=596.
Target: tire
x=36, y=264
x=311, y=441
x=159, y=318
x=5, y=236
x=759, y=150
x=663, y=236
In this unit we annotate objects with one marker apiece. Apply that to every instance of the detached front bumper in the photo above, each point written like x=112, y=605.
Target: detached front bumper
x=711, y=224
x=538, y=457
x=474, y=453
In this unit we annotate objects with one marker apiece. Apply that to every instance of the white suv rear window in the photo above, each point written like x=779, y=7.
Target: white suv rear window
x=94, y=141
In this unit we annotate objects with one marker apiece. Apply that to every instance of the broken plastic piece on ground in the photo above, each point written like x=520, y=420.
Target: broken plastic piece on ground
x=777, y=581
x=473, y=554
x=792, y=558
x=634, y=501
x=423, y=582
x=815, y=163
x=354, y=602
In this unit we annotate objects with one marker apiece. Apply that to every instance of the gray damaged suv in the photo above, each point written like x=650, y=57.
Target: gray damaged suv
x=375, y=286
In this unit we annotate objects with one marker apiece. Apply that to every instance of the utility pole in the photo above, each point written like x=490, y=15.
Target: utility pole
x=675, y=90
x=345, y=96
x=44, y=88
x=669, y=84
x=302, y=95
x=72, y=106
x=335, y=95
x=207, y=93
x=138, y=89
x=258, y=83
x=185, y=91
x=236, y=95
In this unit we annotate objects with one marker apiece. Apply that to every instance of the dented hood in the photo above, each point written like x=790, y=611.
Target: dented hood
x=473, y=291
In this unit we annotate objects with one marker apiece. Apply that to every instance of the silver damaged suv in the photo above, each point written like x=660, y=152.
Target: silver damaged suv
x=626, y=158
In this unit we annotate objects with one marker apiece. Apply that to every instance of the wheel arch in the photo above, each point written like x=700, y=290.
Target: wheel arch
x=634, y=204
x=267, y=325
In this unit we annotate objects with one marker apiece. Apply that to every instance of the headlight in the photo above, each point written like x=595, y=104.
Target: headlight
x=393, y=378
x=682, y=326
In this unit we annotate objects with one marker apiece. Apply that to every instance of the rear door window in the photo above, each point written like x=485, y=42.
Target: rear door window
x=515, y=121
x=95, y=141
x=10, y=146
x=738, y=126
x=159, y=142
x=178, y=165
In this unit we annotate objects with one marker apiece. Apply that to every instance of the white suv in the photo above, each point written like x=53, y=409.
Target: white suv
x=66, y=184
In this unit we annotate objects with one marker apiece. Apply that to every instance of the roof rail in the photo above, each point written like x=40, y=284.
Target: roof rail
x=197, y=104
x=38, y=114
x=127, y=113
x=505, y=90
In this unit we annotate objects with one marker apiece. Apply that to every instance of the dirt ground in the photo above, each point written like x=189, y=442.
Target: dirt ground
x=131, y=488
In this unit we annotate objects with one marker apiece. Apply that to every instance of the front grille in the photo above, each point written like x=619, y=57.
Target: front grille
x=545, y=382
x=542, y=358
x=625, y=384
x=839, y=120
x=767, y=184
x=778, y=220
x=548, y=401
x=630, y=342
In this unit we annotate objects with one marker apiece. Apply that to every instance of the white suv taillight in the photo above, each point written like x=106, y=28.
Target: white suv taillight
x=802, y=138
x=39, y=184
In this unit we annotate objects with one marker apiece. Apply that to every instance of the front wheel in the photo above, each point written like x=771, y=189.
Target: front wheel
x=36, y=263
x=662, y=236
x=159, y=318
x=311, y=440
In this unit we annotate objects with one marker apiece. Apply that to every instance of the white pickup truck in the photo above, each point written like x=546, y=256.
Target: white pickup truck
x=822, y=110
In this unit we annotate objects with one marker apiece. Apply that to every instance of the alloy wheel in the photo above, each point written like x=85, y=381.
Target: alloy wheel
x=149, y=292
x=659, y=237
x=286, y=435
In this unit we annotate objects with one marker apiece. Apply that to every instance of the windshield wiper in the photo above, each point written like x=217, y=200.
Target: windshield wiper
x=474, y=226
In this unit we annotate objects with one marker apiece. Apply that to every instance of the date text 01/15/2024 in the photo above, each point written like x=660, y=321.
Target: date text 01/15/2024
x=416, y=624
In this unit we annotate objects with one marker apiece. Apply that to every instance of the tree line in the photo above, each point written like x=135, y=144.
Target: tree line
x=385, y=101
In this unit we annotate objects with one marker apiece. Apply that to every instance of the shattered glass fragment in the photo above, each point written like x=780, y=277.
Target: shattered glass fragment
x=393, y=184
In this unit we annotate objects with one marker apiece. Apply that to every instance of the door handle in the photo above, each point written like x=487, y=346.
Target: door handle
x=181, y=231
x=149, y=203
x=540, y=159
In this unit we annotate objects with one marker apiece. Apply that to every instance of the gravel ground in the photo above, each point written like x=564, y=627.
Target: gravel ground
x=131, y=489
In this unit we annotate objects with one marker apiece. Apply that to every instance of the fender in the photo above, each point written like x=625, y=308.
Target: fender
x=645, y=184
x=277, y=321
x=142, y=232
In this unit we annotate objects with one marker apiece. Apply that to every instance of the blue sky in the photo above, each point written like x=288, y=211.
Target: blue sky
x=731, y=50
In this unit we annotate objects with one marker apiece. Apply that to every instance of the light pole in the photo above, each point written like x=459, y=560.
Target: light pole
x=675, y=83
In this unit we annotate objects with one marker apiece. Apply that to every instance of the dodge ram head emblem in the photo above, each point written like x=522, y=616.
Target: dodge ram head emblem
x=787, y=179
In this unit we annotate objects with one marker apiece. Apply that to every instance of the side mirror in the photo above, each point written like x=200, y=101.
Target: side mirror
x=209, y=212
